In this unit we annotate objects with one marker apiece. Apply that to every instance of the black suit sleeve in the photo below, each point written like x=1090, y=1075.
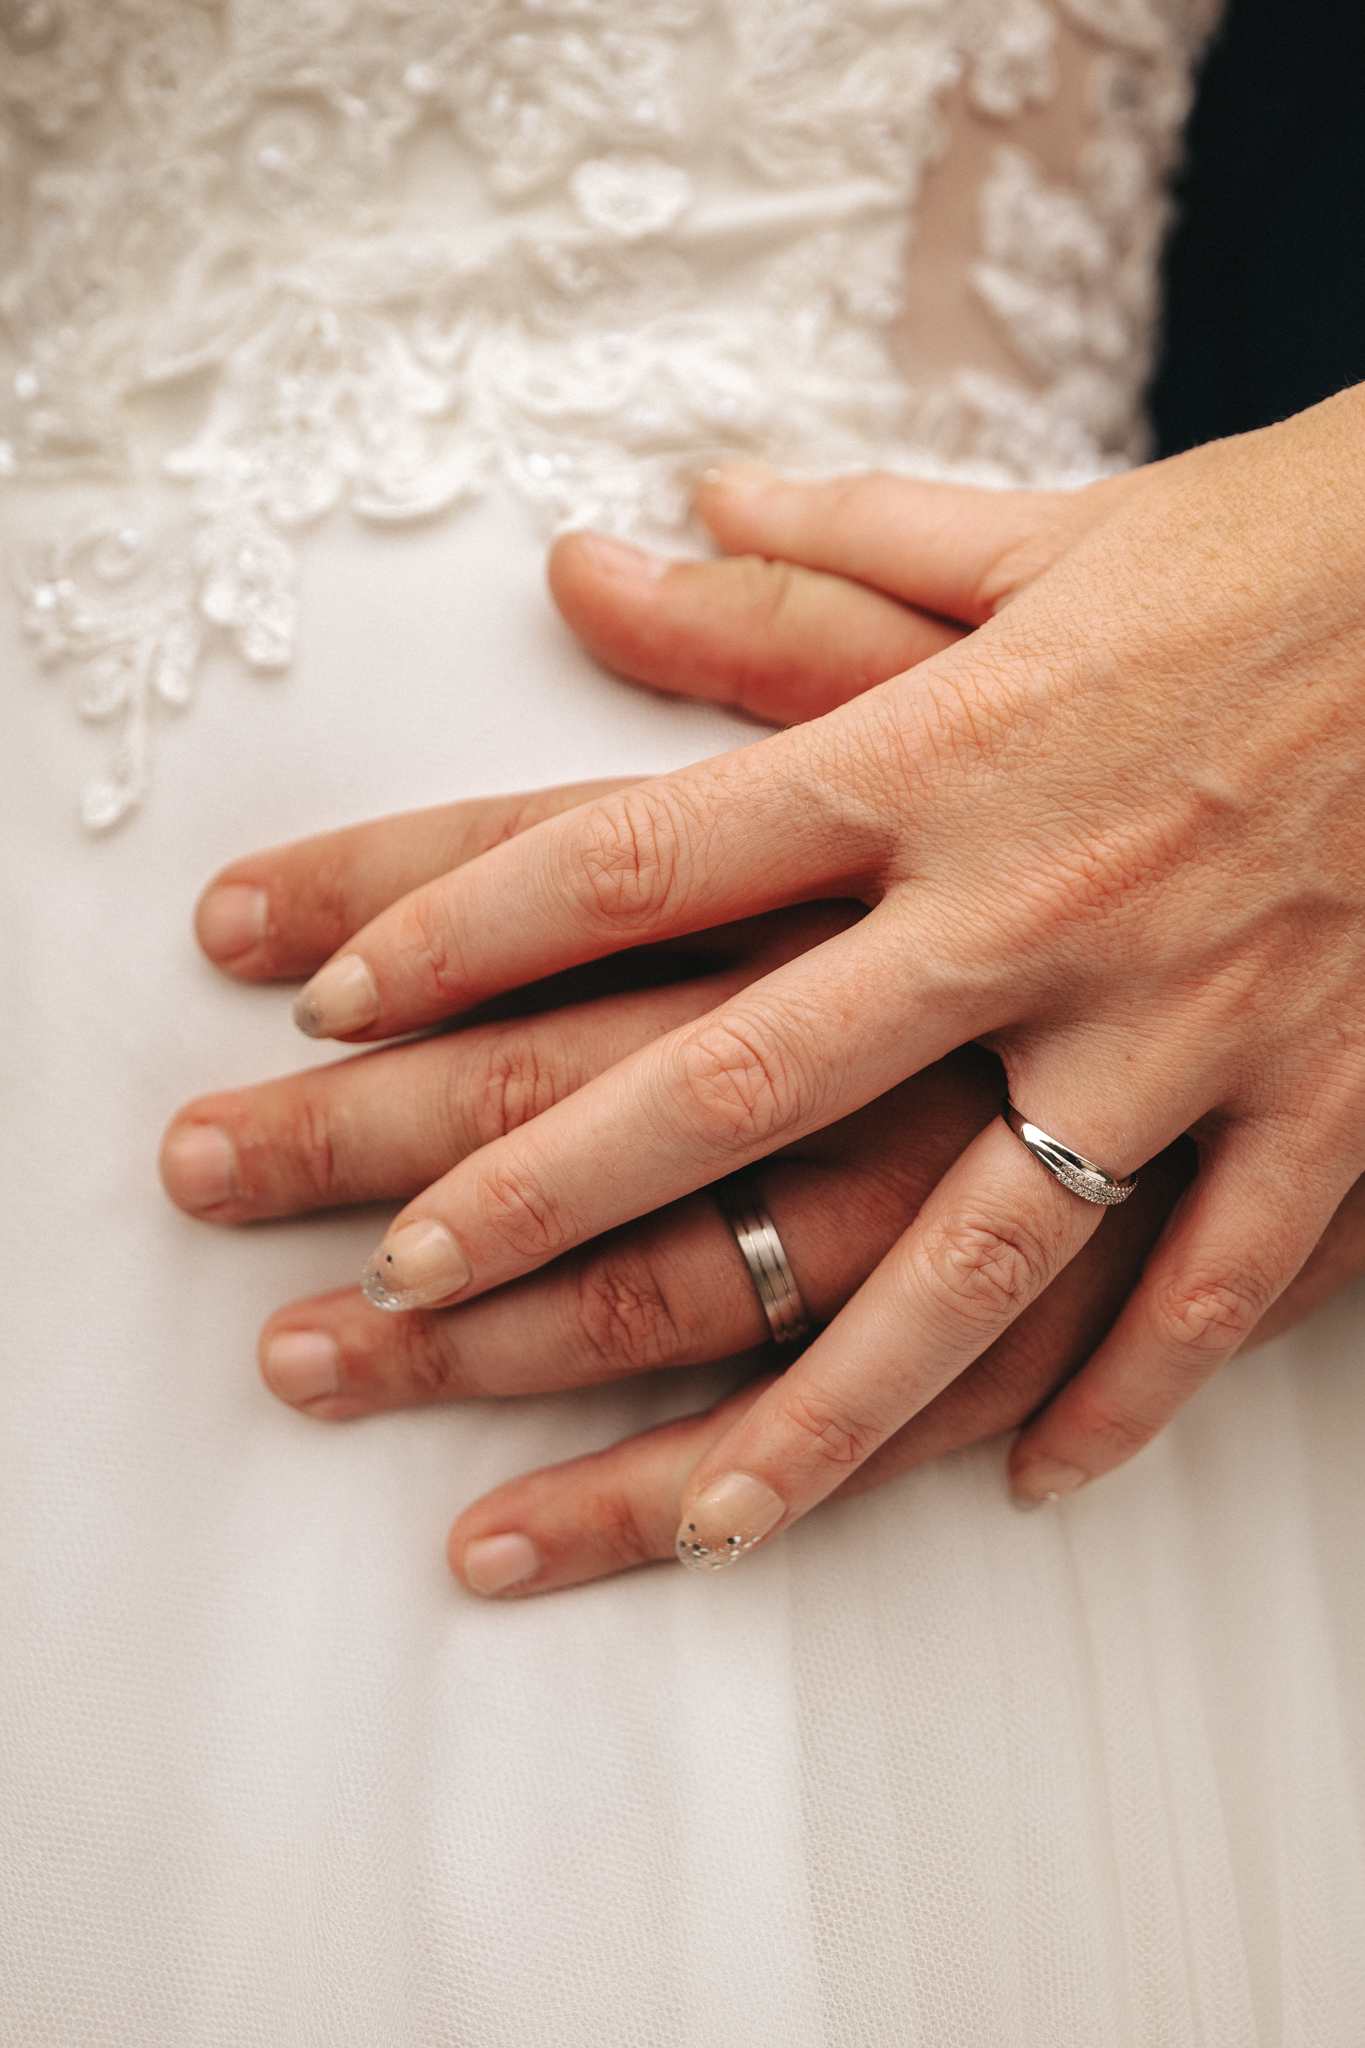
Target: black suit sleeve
x=1264, y=274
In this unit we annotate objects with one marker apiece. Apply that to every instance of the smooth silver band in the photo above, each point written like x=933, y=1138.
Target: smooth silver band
x=742, y=1206
x=1080, y=1175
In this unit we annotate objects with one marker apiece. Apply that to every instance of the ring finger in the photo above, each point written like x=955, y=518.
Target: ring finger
x=670, y=1289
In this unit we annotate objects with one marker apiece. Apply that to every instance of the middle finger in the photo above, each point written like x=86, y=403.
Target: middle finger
x=381, y=1125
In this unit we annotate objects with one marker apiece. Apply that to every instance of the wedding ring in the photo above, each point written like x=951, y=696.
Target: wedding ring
x=742, y=1206
x=1075, y=1172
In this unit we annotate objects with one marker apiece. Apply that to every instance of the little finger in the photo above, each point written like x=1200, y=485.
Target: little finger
x=1249, y=1222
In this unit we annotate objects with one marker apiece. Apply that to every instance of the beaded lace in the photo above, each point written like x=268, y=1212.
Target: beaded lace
x=390, y=253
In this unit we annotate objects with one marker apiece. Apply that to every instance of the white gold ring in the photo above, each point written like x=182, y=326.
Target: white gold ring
x=1076, y=1173
x=742, y=1206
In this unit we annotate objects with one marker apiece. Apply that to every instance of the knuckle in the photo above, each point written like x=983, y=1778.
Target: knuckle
x=430, y=1365
x=627, y=864
x=313, y=1148
x=981, y=1274
x=740, y=1082
x=829, y=1428
x=1208, y=1321
x=625, y=1316
x=517, y=1086
x=431, y=959
x=1123, y=1427
x=519, y=1211
x=615, y=1530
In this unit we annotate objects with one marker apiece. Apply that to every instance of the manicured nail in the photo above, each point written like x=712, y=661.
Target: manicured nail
x=303, y=1365
x=417, y=1264
x=733, y=1514
x=1043, y=1480
x=493, y=1563
x=199, y=1167
x=232, y=919
x=340, y=997
x=618, y=558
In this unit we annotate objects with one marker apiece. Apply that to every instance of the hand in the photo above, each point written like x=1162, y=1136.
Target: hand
x=670, y=1289
x=1115, y=832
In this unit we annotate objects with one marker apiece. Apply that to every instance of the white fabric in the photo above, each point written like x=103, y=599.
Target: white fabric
x=927, y=1772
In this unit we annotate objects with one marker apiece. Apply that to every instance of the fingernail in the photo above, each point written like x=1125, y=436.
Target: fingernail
x=729, y=1518
x=493, y=1563
x=417, y=1263
x=303, y=1365
x=1043, y=1480
x=199, y=1166
x=619, y=558
x=340, y=997
x=231, y=919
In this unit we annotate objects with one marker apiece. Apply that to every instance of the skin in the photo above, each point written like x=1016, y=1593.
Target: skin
x=1113, y=833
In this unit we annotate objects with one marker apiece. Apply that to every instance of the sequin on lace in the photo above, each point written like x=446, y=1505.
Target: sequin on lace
x=397, y=251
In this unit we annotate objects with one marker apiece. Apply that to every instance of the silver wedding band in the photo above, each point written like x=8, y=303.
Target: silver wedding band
x=1075, y=1172
x=742, y=1206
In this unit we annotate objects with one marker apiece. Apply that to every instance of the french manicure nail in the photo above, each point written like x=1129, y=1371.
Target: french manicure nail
x=417, y=1263
x=303, y=1365
x=618, y=558
x=730, y=1517
x=232, y=919
x=1044, y=1480
x=493, y=1563
x=199, y=1167
x=340, y=997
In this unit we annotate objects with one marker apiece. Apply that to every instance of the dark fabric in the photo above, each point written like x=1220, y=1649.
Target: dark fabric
x=1265, y=271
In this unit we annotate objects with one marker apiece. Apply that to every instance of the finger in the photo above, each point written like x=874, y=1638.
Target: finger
x=591, y=1516
x=382, y=1125
x=1247, y=1226
x=788, y=1055
x=1335, y=1261
x=951, y=549
x=671, y=1289
x=640, y=865
x=782, y=642
x=1039, y=1352
x=992, y=1236
x=275, y=915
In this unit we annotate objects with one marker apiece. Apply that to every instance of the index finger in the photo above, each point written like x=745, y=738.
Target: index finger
x=276, y=914
x=654, y=861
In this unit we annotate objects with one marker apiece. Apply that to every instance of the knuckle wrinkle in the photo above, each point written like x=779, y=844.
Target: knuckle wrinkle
x=627, y=869
x=520, y=1212
x=626, y=1318
x=982, y=1273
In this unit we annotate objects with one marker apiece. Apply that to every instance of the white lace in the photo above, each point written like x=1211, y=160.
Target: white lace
x=411, y=247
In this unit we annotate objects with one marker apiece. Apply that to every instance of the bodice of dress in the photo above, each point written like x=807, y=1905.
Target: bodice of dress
x=265, y=262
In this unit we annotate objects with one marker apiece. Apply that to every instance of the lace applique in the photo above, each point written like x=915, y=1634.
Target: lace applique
x=1071, y=275
x=607, y=274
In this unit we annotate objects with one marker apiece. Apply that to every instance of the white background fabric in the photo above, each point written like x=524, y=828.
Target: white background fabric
x=930, y=1771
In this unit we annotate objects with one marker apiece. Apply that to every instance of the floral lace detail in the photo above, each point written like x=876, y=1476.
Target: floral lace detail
x=400, y=250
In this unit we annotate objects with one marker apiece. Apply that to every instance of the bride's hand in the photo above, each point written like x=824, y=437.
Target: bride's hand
x=1116, y=833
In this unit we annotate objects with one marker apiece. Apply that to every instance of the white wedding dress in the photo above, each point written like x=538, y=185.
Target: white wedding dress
x=318, y=316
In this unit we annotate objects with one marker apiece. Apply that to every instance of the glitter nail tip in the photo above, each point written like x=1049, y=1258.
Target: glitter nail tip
x=728, y=1520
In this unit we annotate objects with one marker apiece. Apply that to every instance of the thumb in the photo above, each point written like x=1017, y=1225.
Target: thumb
x=782, y=642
